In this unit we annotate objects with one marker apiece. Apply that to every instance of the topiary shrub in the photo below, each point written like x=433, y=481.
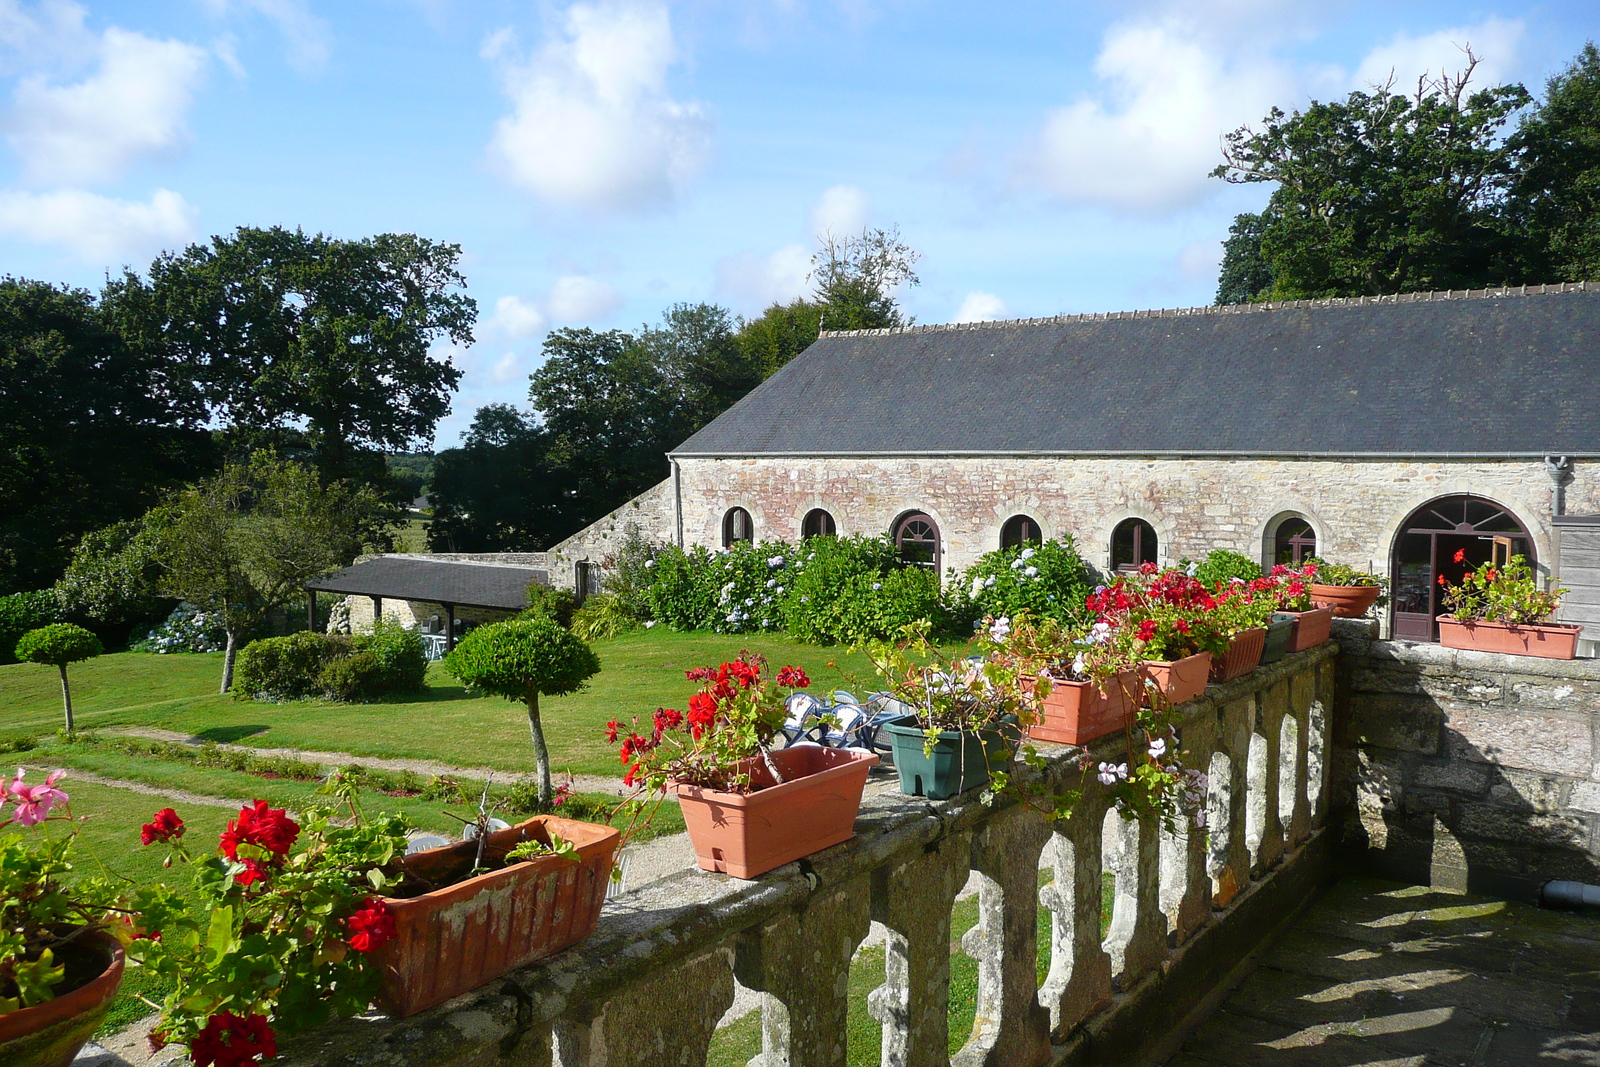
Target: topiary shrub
x=557, y=604
x=520, y=660
x=400, y=654
x=286, y=668
x=56, y=646
x=1048, y=581
x=1220, y=565
x=21, y=612
x=354, y=679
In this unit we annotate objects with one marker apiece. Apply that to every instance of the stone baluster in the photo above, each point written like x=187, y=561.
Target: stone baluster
x=1230, y=863
x=1137, y=940
x=665, y=1019
x=1079, y=982
x=801, y=959
x=912, y=897
x=1314, y=694
x=1298, y=807
x=1012, y=1029
x=1185, y=885
x=1271, y=706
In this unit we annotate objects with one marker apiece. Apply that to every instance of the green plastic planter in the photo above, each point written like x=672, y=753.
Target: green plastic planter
x=959, y=761
x=1279, y=630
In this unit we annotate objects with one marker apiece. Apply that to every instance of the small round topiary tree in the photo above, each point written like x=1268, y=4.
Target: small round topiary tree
x=520, y=660
x=58, y=645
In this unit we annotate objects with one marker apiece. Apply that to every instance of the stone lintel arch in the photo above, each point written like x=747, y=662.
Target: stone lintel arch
x=804, y=506
x=1006, y=511
x=1267, y=530
x=1116, y=516
x=759, y=526
x=1535, y=518
x=940, y=521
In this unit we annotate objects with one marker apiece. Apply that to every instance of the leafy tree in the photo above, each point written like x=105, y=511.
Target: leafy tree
x=497, y=492
x=1554, y=206
x=246, y=541
x=95, y=429
x=1246, y=275
x=778, y=334
x=283, y=329
x=113, y=576
x=856, y=279
x=520, y=660
x=56, y=646
x=1381, y=192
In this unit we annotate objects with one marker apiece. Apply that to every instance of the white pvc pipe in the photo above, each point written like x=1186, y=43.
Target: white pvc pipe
x=1570, y=895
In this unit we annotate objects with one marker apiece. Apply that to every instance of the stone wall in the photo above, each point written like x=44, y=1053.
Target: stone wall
x=1195, y=504
x=652, y=512
x=1468, y=770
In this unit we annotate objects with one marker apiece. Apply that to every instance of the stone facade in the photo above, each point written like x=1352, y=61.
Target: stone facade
x=1469, y=770
x=652, y=511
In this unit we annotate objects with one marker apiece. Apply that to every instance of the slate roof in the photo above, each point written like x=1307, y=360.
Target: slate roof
x=478, y=585
x=1497, y=372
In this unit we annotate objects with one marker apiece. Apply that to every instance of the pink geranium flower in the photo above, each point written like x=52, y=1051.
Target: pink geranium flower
x=35, y=801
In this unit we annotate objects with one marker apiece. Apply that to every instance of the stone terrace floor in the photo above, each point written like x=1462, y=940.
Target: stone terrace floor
x=1381, y=975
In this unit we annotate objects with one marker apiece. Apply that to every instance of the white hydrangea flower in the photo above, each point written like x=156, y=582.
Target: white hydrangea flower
x=1027, y=553
x=1031, y=572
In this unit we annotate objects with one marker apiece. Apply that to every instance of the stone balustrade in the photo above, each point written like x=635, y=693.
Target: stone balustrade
x=650, y=986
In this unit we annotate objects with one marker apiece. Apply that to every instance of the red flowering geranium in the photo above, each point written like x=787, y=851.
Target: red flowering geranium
x=230, y=1040
x=1167, y=614
x=371, y=925
x=264, y=827
x=164, y=826
x=729, y=720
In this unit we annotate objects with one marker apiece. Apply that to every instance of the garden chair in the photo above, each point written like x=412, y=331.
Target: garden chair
x=805, y=724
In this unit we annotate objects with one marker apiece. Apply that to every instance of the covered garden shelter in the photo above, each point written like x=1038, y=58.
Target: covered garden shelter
x=479, y=592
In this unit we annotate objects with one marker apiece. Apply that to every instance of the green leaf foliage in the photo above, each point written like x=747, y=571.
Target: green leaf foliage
x=522, y=659
x=551, y=603
x=1047, y=581
x=21, y=612
x=1220, y=565
x=58, y=644
x=355, y=669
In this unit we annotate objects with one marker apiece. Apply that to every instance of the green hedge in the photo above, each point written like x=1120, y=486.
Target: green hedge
x=21, y=612
x=354, y=669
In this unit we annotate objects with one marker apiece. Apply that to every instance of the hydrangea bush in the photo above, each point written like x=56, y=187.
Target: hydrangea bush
x=187, y=629
x=1045, y=581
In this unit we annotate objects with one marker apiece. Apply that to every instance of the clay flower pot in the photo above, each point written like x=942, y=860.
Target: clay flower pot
x=749, y=834
x=1243, y=655
x=959, y=761
x=471, y=930
x=50, y=1034
x=1076, y=713
x=1311, y=628
x=1181, y=680
x=1279, y=630
x=1546, y=641
x=1347, y=601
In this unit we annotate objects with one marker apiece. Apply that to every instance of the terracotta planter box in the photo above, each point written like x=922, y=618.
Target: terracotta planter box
x=1076, y=713
x=458, y=937
x=1181, y=680
x=749, y=834
x=1543, y=640
x=50, y=1034
x=1243, y=655
x=1279, y=630
x=1311, y=628
x=1347, y=601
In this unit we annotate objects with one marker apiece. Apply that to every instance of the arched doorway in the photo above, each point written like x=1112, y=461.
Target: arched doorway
x=817, y=523
x=917, y=538
x=1020, y=530
x=1133, y=543
x=737, y=526
x=1294, y=542
x=1426, y=549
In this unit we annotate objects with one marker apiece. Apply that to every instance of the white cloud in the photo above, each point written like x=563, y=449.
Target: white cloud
x=133, y=105
x=752, y=281
x=98, y=229
x=514, y=318
x=1147, y=141
x=1200, y=259
x=1496, y=42
x=591, y=124
x=980, y=307
x=306, y=36
x=576, y=298
x=841, y=211
x=50, y=32
x=506, y=369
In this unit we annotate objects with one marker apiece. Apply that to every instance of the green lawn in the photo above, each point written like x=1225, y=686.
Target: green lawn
x=639, y=672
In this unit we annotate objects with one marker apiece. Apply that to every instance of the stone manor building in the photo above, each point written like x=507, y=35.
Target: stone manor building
x=1385, y=433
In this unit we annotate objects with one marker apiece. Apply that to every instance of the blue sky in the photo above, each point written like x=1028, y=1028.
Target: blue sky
x=600, y=160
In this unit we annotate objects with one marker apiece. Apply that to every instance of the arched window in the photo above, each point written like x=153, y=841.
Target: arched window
x=1133, y=543
x=1020, y=530
x=736, y=526
x=817, y=523
x=917, y=537
x=1294, y=541
x=1480, y=530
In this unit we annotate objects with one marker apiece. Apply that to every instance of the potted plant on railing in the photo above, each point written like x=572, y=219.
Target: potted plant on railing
x=1242, y=614
x=1085, y=679
x=1312, y=625
x=1500, y=608
x=1169, y=616
x=1350, y=592
x=60, y=966
x=748, y=807
x=304, y=921
x=967, y=714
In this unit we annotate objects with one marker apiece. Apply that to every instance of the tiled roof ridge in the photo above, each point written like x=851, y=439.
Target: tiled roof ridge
x=1237, y=309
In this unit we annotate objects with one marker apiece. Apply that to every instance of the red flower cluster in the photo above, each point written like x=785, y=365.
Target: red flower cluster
x=230, y=1040
x=793, y=677
x=264, y=827
x=163, y=826
x=371, y=925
